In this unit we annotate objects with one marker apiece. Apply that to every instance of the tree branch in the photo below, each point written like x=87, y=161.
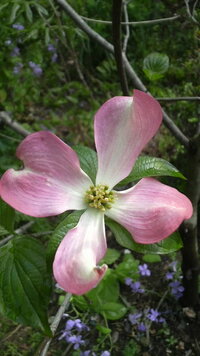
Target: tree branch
x=126, y=38
x=116, y=18
x=191, y=14
x=19, y=231
x=130, y=71
x=135, y=23
x=5, y=118
x=55, y=323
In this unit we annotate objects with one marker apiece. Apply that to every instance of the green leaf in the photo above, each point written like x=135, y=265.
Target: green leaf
x=88, y=161
x=113, y=311
x=110, y=257
x=80, y=302
x=3, y=231
x=124, y=238
x=106, y=291
x=155, y=65
x=103, y=330
x=41, y=10
x=151, y=258
x=24, y=283
x=128, y=268
x=3, y=6
x=33, y=34
x=61, y=230
x=47, y=36
x=146, y=166
x=7, y=216
x=14, y=11
x=29, y=13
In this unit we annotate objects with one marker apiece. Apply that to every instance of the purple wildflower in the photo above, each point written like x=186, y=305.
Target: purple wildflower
x=17, y=26
x=136, y=287
x=51, y=48
x=79, y=325
x=15, y=52
x=133, y=318
x=176, y=289
x=128, y=281
x=105, y=353
x=37, y=71
x=161, y=320
x=32, y=64
x=141, y=327
x=54, y=57
x=17, y=68
x=69, y=324
x=169, y=275
x=153, y=315
x=76, y=340
x=85, y=353
x=65, y=335
x=143, y=270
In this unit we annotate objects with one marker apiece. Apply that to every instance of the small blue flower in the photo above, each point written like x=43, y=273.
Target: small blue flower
x=153, y=315
x=79, y=325
x=144, y=270
x=136, y=287
x=134, y=318
x=37, y=70
x=76, y=340
x=142, y=327
x=105, y=353
x=161, y=320
x=176, y=289
x=85, y=353
x=15, y=52
x=169, y=275
x=51, y=48
x=128, y=281
x=17, y=68
x=69, y=324
x=17, y=26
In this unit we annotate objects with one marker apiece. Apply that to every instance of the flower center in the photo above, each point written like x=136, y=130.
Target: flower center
x=99, y=197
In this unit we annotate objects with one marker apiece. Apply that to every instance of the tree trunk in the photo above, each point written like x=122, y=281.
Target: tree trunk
x=190, y=255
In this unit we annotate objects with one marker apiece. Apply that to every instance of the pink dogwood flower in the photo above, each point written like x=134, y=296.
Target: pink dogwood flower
x=52, y=182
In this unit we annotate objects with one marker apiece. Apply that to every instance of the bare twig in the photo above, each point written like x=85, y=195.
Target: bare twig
x=191, y=14
x=135, y=23
x=130, y=71
x=4, y=117
x=181, y=98
x=194, y=7
x=19, y=231
x=116, y=17
x=56, y=322
x=126, y=38
x=10, y=334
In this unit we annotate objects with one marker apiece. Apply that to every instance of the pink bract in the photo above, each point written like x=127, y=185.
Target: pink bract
x=52, y=182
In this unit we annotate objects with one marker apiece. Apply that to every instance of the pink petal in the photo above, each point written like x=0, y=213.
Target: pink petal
x=123, y=126
x=75, y=264
x=150, y=210
x=52, y=180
